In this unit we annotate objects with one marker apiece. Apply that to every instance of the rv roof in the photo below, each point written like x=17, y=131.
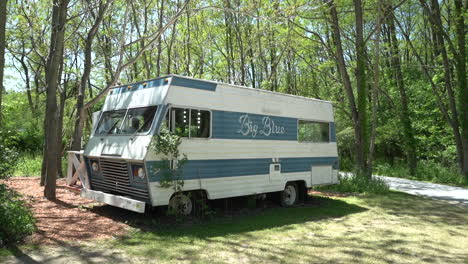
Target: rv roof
x=216, y=82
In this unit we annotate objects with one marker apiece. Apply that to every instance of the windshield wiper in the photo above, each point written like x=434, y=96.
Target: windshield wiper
x=113, y=126
x=144, y=125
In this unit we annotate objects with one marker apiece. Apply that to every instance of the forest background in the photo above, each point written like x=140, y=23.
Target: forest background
x=394, y=70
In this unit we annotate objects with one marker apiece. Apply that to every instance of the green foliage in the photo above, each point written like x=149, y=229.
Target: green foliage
x=21, y=123
x=426, y=170
x=16, y=220
x=8, y=154
x=29, y=165
x=167, y=145
x=358, y=184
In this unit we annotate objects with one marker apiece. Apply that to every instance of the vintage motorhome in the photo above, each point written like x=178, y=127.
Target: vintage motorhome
x=238, y=141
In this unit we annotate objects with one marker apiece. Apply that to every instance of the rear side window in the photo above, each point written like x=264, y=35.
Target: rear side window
x=192, y=123
x=199, y=123
x=312, y=131
x=181, y=121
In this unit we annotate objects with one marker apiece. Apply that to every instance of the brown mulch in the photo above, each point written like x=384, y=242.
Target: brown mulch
x=69, y=218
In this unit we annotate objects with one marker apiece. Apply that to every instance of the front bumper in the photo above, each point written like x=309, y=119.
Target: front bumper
x=114, y=200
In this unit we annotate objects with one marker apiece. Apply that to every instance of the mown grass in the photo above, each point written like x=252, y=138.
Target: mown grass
x=395, y=228
x=426, y=171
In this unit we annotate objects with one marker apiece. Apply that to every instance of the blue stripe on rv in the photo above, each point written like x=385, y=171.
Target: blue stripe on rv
x=192, y=83
x=236, y=125
x=140, y=85
x=206, y=169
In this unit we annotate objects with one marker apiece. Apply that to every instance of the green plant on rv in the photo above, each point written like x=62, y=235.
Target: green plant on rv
x=170, y=168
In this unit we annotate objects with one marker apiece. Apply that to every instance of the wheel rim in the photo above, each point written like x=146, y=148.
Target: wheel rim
x=289, y=195
x=181, y=204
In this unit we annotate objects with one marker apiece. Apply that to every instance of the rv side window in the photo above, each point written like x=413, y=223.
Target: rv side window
x=181, y=121
x=166, y=124
x=310, y=131
x=199, y=123
x=190, y=122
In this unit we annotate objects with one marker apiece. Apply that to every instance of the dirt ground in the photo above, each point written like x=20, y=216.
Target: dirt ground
x=70, y=218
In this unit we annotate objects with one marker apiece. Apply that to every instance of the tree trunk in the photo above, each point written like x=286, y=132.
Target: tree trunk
x=59, y=17
x=158, y=58
x=78, y=132
x=375, y=87
x=3, y=14
x=60, y=145
x=361, y=87
x=440, y=50
x=460, y=10
x=408, y=135
x=339, y=56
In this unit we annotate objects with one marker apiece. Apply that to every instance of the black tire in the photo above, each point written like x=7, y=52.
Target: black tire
x=290, y=195
x=180, y=204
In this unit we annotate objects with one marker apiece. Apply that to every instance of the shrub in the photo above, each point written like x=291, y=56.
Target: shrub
x=8, y=154
x=426, y=170
x=353, y=183
x=28, y=165
x=16, y=220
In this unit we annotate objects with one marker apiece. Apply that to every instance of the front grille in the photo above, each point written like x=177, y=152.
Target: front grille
x=115, y=179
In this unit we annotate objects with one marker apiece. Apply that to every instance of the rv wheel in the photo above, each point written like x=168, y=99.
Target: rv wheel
x=289, y=195
x=180, y=204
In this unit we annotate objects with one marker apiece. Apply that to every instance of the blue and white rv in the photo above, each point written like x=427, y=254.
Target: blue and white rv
x=238, y=141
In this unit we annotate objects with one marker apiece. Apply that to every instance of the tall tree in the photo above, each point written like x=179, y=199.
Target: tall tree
x=87, y=64
x=53, y=68
x=460, y=12
x=3, y=17
x=361, y=137
x=361, y=87
x=409, y=142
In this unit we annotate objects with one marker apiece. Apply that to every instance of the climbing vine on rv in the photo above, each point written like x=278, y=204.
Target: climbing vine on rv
x=166, y=144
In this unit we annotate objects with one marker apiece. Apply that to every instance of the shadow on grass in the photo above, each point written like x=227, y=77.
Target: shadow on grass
x=423, y=209
x=233, y=222
x=62, y=252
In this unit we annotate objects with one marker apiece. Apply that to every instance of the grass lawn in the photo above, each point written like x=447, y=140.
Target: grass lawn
x=391, y=228
x=395, y=228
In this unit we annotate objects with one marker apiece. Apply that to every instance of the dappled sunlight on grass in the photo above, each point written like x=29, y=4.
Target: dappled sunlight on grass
x=379, y=229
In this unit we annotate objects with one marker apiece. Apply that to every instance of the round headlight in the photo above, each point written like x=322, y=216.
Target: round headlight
x=141, y=173
x=95, y=166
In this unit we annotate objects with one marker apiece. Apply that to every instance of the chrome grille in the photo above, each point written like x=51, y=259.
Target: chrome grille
x=115, y=179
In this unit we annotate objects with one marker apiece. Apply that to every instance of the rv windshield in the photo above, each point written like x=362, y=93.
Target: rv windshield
x=138, y=120
x=110, y=122
x=123, y=122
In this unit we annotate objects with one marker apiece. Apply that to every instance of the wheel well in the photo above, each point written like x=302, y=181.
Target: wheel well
x=201, y=192
x=301, y=184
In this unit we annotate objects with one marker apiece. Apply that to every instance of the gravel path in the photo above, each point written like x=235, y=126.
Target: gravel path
x=454, y=195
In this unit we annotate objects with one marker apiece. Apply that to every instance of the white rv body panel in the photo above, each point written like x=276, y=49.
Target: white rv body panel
x=197, y=149
x=139, y=98
x=247, y=100
x=252, y=148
